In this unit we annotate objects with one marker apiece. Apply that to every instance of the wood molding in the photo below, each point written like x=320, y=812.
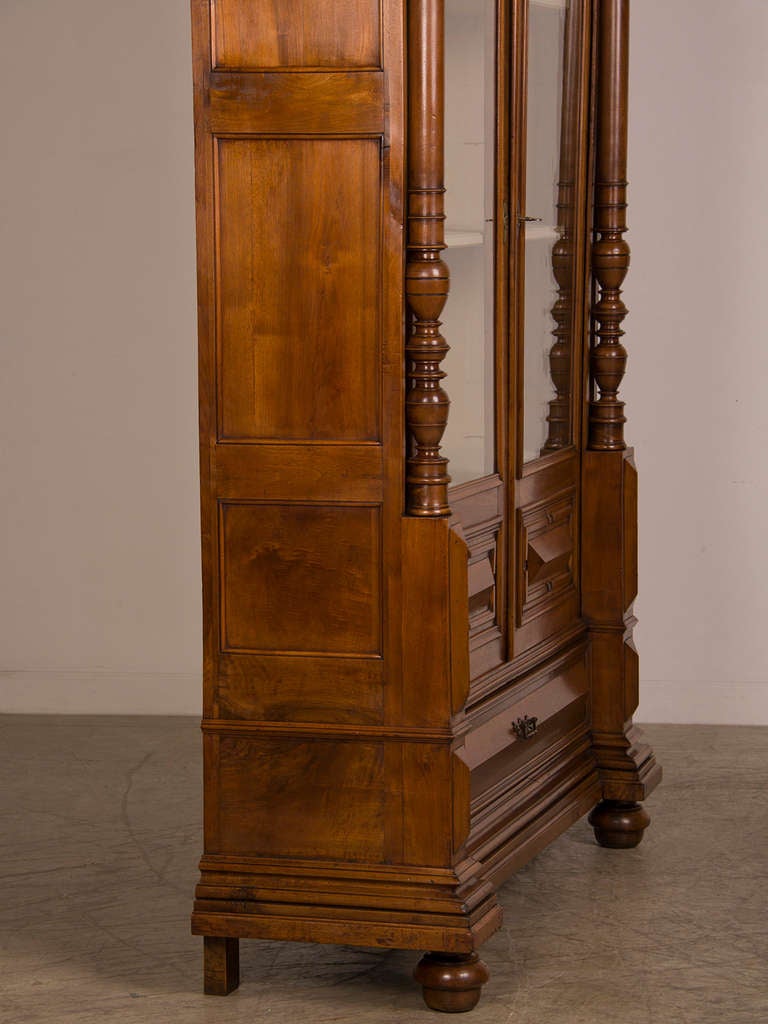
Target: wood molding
x=320, y=732
x=427, y=278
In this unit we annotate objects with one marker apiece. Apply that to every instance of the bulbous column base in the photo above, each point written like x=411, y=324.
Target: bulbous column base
x=451, y=983
x=618, y=825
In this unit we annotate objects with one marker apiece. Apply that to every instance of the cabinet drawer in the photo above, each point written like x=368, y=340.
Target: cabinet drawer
x=525, y=720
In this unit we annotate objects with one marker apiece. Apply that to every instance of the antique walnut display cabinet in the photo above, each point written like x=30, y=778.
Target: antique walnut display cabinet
x=419, y=666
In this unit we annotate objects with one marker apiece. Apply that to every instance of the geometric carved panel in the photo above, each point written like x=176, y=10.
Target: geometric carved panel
x=302, y=798
x=548, y=554
x=296, y=33
x=546, y=549
x=483, y=557
x=299, y=289
x=300, y=578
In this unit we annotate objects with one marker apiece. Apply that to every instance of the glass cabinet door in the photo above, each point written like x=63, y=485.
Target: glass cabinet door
x=547, y=140
x=548, y=285
x=547, y=249
x=515, y=179
x=470, y=160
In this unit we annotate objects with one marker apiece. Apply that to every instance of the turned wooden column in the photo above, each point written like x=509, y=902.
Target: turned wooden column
x=427, y=279
x=561, y=353
x=610, y=250
x=628, y=769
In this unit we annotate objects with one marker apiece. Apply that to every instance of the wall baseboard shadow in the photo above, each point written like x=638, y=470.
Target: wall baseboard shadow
x=703, y=703
x=178, y=693
x=100, y=693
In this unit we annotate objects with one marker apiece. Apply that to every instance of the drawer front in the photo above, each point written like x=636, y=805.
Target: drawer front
x=525, y=720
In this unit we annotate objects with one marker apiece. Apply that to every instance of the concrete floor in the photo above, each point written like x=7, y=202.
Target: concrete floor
x=101, y=835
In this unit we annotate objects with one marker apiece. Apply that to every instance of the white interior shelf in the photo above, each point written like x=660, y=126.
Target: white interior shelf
x=457, y=239
x=465, y=8
x=476, y=8
x=539, y=232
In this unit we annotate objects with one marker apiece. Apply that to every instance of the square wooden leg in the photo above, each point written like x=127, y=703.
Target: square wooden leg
x=221, y=965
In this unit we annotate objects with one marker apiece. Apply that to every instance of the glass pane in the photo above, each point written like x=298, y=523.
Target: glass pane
x=549, y=253
x=468, y=320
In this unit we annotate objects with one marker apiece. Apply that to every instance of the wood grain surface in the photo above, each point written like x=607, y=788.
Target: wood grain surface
x=410, y=690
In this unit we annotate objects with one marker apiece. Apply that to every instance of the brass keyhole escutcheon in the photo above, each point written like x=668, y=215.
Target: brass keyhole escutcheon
x=525, y=727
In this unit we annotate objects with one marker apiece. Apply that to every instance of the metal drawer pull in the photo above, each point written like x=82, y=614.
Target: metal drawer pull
x=526, y=727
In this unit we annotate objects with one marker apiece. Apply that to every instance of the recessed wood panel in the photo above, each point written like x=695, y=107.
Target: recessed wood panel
x=296, y=472
x=314, y=103
x=426, y=771
x=271, y=688
x=300, y=578
x=298, y=289
x=296, y=33
x=302, y=798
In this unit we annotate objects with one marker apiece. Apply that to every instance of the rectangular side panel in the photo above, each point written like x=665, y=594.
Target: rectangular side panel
x=296, y=472
x=345, y=691
x=426, y=621
x=300, y=578
x=299, y=289
x=302, y=798
x=326, y=798
x=630, y=530
x=315, y=103
x=296, y=34
x=606, y=533
x=427, y=808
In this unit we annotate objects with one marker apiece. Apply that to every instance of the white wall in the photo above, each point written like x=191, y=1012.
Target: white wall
x=698, y=369
x=99, y=600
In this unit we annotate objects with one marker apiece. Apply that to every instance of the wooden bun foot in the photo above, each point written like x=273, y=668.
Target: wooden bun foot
x=451, y=982
x=619, y=826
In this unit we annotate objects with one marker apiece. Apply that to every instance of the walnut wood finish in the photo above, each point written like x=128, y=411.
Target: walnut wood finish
x=619, y=826
x=427, y=277
x=610, y=250
x=628, y=769
x=300, y=121
x=451, y=984
x=259, y=399
x=371, y=647
x=278, y=35
x=221, y=965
